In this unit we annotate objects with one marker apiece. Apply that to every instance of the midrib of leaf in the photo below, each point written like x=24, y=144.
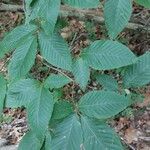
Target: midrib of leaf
x=116, y=14
x=94, y=135
x=38, y=106
x=26, y=55
x=135, y=77
x=70, y=131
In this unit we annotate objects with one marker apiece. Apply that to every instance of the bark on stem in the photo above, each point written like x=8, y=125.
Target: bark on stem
x=82, y=14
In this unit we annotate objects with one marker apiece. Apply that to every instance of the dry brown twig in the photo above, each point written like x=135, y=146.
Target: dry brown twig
x=82, y=14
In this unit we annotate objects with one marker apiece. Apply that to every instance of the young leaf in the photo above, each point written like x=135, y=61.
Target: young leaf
x=62, y=109
x=23, y=58
x=108, y=82
x=30, y=142
x=145, y=3
x=2, y=92
x=67, y=135
x=98, y=135
x=107, y=54
x=81, y=72
x=83, y=3
x=56, y=81
x=40, y=111
x=55, y=50
x=48, y=141
x=21, y=93
x=138, y=74
x=117, y=14
x=15, y=38
x=102, y=104
x=47, y=12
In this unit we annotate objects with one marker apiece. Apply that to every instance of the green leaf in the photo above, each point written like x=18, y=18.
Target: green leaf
x=38, y=101
x=117, y=14
x=2, y=92
x=81, y=72
x=21, y=93
x=138, y=74
x=62, y=109
x=23, y=58
x=98, y=135
x=107, y=54
x=40, y=111
x=107, y=81
x=30, y=142
x=15, y=38
x=48, y=141
x=56, y=81
x=47, y=12
x=145, y=3
x=83, y=3
x=102, y=104
x=67, y=134
x=55, y=50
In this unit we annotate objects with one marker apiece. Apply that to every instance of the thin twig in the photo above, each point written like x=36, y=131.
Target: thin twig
x=5, y=63
x=130, y=146
x=56, y=69
x=82, y=14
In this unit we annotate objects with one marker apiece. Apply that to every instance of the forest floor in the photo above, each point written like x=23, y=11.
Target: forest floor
x=133, y=125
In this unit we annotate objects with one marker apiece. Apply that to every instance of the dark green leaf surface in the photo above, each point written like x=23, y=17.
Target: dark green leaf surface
x=107, y=54
x=55, y=81
x=38, y=101
x=117, y=14
x=138, y=74
x=40, y=111
x=47, y=12
x=107, y=81
x=55, y=50
x=48, y=141
x=98, y=135
x=2, y=92
x=81, y=72
x=102, y=104
x=21, y=93
x=15, y=38
x=145, y=3
x=67, y=134
x=62, y=109
x=30, y=142
x=23, y=58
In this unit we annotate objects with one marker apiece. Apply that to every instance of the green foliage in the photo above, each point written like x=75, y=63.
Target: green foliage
x=2, y=93
x=56, y=81
x=62, y=109
x=67, y=134
x=30, y=141
x=107, y=54
x=100, y=134
x=23, y=58
x=102, y=104
x=138, y=74
x=117, y=14
x=72, y=124
x=107, y=81
x=81, y=72
x=20, y=33
x=145, y=3
x=55, y=50
x=46, y=12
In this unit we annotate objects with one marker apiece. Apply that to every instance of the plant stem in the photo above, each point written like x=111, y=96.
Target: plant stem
x=85, y=14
